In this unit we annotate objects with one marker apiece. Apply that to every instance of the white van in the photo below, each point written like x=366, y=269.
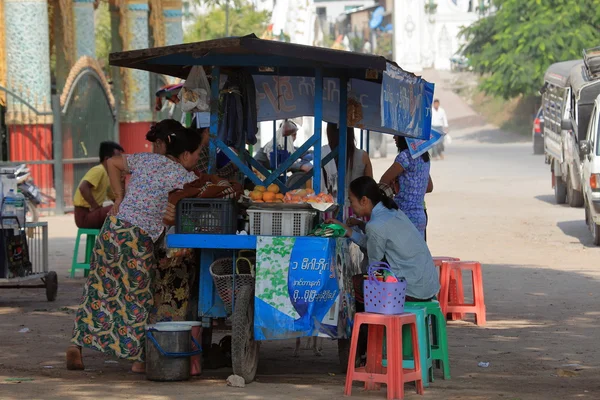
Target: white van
x=589, y=149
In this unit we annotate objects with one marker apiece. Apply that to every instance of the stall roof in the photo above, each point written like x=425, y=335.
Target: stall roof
x=586, y=89
x=558, y=74
x=257, y=55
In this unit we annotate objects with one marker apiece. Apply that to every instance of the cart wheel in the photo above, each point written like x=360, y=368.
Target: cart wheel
x=244, y=349
x=51, y=285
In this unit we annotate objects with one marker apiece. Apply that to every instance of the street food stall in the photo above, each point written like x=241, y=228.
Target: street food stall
x=266, y=277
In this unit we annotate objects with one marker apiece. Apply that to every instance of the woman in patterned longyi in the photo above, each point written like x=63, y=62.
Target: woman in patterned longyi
x=117, y=297
x=410, y=176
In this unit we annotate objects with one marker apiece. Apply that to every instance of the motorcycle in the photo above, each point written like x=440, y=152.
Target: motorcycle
x=33, y=197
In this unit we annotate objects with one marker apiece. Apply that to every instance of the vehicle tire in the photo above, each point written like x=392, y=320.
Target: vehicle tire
x=51, y=281
x=244, y=349
x=595, y=229
x=538, y=146
x=574, y=197
x=560, y=190
x=32, y=214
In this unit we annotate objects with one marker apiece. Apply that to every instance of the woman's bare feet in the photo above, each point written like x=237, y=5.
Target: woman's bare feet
x=138, y=367
x=74, y=358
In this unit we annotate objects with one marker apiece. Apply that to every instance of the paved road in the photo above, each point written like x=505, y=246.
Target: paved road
x=492, y=203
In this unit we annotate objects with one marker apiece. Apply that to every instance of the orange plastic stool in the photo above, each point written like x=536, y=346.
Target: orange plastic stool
x=374, y=373
x=450, y=306
x=457, y=293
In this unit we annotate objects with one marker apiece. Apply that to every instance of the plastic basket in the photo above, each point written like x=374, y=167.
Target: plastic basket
x=281, y=222
x=384, y=297
x=218, y=216
x=221, y=271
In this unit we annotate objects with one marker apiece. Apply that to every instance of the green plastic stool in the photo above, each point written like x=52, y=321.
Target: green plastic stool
x=424, y=345
x=439, y=342
x=91, y=235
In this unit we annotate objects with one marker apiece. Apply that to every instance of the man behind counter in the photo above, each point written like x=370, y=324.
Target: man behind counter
x=94, y=189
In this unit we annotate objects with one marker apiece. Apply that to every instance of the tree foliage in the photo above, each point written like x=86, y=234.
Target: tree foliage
x=243, y=20
x=513, y=47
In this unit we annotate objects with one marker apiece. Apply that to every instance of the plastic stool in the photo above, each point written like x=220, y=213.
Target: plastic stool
x=439, y=341
x=424, y=344
x=478, y=305
x=91, y=235
x=374, y=373
x=457, y=294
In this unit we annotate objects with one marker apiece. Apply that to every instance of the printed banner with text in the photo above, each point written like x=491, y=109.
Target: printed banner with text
x=296, y=288
x=417, y=147
x=406, y=103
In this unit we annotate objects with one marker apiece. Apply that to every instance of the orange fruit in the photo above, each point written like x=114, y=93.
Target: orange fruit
x=273, y=188
x=279, y=196
x=309, y=191
x=256, y=195
x=260, y=189
x=258, y=201
x=268, y=196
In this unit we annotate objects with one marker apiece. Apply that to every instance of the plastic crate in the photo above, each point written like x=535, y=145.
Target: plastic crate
x=280, y=222
x=217, y=216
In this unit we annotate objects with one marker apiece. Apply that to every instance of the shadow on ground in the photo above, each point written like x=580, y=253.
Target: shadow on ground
x=579, y=230
x=542, y=322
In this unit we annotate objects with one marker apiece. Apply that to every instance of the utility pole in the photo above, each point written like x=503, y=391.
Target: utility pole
x=226, y=18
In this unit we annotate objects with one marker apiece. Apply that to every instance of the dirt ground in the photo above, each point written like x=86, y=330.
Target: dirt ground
x=492, y=202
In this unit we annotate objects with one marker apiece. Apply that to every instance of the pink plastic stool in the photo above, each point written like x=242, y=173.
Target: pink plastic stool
x=374, y=373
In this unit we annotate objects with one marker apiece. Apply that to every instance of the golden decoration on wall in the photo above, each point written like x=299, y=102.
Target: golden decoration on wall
x=83, y=63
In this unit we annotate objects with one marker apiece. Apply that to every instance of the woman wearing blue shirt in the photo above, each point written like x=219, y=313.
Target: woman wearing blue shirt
x=391, y=236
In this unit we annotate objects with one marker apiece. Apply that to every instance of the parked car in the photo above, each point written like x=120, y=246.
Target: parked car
x=537, y=133
x=590, y=154
x=568, y=95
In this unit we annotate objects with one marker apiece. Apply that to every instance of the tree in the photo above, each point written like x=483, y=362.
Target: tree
x=513, y=47
x=243, y=19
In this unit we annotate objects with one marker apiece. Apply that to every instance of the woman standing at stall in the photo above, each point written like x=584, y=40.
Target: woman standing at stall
x=411, y=177
x=117, y=296
x=358, y=163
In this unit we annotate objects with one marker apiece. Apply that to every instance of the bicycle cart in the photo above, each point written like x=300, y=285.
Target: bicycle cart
x=27, y=251
x=350, y=89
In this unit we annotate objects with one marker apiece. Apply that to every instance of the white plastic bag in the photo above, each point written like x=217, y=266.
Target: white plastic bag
x=447, y=140
x=194, y=95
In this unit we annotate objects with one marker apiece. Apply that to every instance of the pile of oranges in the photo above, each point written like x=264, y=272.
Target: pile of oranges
x=271, y=194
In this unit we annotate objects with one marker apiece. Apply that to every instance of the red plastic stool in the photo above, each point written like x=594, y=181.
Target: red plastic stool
x=457, y=293
x=450, y=306
x=374, y=373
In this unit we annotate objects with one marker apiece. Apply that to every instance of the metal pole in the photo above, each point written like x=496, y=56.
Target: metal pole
x=226, y=18
x=342, y=146
x=361, y=139
x=214, y=118
x=57, y=141
x=318, y=129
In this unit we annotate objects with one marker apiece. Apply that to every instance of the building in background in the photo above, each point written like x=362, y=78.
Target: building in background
x=57, y=101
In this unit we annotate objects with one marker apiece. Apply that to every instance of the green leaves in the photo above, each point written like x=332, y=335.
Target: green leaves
x=243, y=20
x=514, y=46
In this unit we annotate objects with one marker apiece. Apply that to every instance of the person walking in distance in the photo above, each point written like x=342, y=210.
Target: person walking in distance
x=439, y=122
